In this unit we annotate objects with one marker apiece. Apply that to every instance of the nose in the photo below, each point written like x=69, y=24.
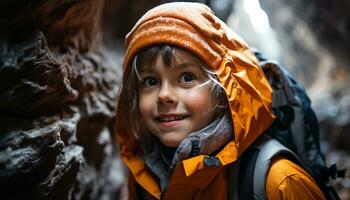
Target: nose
x=166, y=95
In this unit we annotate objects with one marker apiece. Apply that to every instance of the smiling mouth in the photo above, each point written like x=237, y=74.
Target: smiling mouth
x=171, y=118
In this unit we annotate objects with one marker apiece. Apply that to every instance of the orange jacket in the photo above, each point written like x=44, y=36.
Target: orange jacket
x=194, y=27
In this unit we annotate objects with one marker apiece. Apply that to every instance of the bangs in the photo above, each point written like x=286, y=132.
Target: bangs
x=146, y=58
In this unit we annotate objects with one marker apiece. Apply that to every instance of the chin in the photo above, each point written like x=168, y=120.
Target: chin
x=171, y=142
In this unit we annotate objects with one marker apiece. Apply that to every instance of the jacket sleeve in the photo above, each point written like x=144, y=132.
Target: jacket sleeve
x=286, y=180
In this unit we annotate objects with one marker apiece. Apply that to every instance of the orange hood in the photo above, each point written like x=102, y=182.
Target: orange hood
x=194, y=27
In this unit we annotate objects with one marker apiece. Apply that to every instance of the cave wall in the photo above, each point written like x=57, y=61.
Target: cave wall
x=58, y=86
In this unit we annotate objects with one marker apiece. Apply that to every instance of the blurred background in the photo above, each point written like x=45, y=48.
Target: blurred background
x=60, y=71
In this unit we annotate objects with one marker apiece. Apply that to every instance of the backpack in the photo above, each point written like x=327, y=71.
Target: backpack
x=294, y=134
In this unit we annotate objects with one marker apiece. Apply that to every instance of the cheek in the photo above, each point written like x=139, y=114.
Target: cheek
x=145, y=106
x=199, y=100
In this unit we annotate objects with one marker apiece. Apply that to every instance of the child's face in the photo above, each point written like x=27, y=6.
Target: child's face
x=172, y=100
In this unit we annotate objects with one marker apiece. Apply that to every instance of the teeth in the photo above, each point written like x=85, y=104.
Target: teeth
x=172, y=118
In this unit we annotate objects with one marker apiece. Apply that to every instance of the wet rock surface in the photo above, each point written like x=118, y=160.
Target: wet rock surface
x=58, y=88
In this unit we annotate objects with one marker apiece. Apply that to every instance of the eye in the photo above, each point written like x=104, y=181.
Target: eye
x=187, y=77
x=149, y=81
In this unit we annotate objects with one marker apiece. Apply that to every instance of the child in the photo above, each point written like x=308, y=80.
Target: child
x=193, y=99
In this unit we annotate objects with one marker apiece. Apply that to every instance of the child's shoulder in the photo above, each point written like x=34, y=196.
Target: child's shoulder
x=282, y=167
x=287, y=178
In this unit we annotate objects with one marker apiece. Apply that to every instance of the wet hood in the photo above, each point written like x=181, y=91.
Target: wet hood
x=194, y=27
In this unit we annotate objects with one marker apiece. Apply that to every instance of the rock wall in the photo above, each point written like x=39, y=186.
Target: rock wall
x=58, y=86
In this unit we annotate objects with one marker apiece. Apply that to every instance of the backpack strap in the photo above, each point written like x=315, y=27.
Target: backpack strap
x=255, y=164
x=233, y=171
